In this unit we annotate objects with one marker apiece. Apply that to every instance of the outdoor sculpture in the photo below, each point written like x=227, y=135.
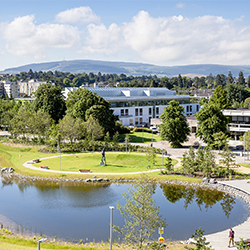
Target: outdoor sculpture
x=103, y=160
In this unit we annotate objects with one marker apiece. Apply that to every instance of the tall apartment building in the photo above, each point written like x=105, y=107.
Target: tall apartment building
x=11, y=89
x=30, y=87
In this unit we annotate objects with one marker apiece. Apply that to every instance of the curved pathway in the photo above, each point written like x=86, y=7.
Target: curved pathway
x=219, y=241
x=28, y=164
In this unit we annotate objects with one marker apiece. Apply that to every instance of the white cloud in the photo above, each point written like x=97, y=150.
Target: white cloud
x=103, y=40
x=23, y=37
x=180, y=5
x=171, y=40
x=83, y=15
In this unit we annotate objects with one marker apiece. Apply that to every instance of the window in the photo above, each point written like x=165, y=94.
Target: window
x=141, y=113
x=190, y=108
x=126, y=111
x=150, y=111
x=140, y=120
x=122, y=112
x=136, y=112
x=157, y=110
x=197, y=108
x=187, y=108
x=136, y=120
x=130, y=122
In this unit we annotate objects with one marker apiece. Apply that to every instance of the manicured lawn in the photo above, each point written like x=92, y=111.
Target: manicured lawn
x=116, y=163
x=139, y=137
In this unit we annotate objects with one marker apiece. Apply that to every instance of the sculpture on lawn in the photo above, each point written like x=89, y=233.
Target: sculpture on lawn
x=103, y=160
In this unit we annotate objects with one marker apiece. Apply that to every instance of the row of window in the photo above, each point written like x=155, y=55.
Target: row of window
x=147, y=103
x=139, y=111
x=124, y=112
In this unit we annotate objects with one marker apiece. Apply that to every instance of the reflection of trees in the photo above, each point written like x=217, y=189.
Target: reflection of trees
x=173, y=193
x=227, y=204
x=202, y=197
x=208, y=197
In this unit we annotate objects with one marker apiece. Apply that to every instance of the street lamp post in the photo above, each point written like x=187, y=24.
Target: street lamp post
x=40, y=241
x=58, y=150
x=111, y=225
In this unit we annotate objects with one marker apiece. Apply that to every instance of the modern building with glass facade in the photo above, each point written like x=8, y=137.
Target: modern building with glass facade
x=137, y=106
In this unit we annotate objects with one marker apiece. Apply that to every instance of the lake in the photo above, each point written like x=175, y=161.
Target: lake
x=82, y=211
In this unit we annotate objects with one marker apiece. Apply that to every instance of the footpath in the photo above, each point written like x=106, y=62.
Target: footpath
x=219, y=241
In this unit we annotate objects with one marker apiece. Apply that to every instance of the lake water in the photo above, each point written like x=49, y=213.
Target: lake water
x=82, y=212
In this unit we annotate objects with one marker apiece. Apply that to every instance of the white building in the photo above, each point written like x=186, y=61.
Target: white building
x=30, y=87
x=240, y=121
x=11, y=89
x=137, y=106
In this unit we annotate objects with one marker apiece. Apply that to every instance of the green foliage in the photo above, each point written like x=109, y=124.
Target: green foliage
x=49, y=98
x=141, y=216
x=200, y=240
x=220, y=140
x=82, y=103
x=174, y=127
x=71, y=128
x=210, y=121
x=228, y=159
x=242, y=244
x=236, y=93
x=220, y=98
x=203, y=161
x=150, y=156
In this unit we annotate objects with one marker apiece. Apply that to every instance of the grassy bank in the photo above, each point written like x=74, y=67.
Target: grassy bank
x=15, y=242
x=15, y=155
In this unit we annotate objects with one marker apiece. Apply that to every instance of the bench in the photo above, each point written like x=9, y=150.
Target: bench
x=84, y=170
x=44, y=167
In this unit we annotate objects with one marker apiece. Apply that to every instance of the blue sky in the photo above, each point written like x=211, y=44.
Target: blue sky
x=160, y=32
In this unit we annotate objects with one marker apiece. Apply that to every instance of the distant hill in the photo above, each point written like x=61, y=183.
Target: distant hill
x=136, y=69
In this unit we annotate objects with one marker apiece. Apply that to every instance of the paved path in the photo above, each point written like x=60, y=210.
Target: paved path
x=28, y=164
x=219, y=241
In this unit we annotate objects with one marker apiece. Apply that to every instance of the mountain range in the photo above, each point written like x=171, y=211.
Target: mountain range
x=128, y=68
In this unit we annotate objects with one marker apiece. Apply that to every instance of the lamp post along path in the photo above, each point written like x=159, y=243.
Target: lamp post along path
x=111, y=225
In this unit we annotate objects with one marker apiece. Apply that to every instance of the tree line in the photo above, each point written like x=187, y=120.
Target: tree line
x=84, y=115
x=67, y=79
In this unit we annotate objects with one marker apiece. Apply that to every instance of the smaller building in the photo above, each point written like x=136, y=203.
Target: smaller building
x=30, y=87
x=240, y=121
x=11, y=89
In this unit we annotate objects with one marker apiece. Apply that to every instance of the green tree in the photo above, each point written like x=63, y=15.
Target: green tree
x=210, y=121
x=93, y=130
x=174, y=127
x=220, y=140
x=70, y=128
x=141, y=216
x=49, y=98
x=200, y=240
x=189, y=163
x=150, y=156
x=220, y=98
x=82, y=103
x=230, y=79
x=237, y=93
x=206, y=161
x=241, y=79
x=228, y=159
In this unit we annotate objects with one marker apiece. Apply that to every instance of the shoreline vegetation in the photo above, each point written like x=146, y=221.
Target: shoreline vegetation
x=14, y=156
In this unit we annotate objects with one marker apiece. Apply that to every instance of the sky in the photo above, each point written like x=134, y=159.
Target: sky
x=159, y=32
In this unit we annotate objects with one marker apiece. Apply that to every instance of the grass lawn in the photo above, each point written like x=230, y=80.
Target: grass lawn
x=15, y=242
x=9, y=157
x=141, y=137
x=116, y=163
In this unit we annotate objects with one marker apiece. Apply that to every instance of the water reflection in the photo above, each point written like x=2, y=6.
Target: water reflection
x=78, y=210
x=206, y=198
